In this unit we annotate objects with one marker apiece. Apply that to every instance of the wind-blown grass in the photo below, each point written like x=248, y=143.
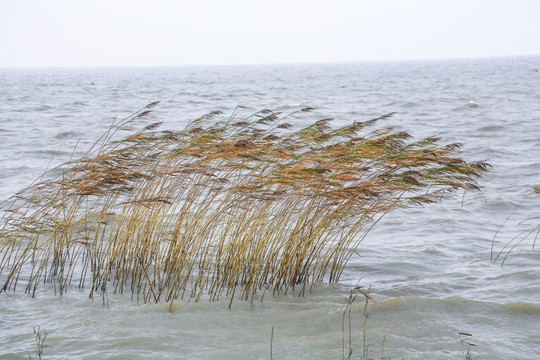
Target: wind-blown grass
x=225, y=205
x=530, y=233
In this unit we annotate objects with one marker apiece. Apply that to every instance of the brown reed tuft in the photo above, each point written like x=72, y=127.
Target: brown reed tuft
x=231, y=207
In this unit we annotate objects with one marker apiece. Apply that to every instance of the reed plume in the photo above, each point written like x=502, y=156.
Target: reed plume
x=226, y=207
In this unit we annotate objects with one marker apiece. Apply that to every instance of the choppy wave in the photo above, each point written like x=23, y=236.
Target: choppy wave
x=455, y=303
x=51, y=152
x=42, y=108
x=523, y=308
x=67, y=134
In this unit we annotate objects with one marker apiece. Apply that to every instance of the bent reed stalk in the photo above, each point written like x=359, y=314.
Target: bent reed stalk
x=527, y=234
x=229, y=204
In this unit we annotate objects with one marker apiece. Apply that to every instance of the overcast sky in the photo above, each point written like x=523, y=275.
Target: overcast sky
x=43, y=33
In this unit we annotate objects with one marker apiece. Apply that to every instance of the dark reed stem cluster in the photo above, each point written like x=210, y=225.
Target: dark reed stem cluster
x=228, y=206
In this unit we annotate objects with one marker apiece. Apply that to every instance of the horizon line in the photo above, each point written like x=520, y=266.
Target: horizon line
x=485, y=57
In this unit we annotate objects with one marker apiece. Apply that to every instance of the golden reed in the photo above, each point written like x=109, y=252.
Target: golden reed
x=239, y=204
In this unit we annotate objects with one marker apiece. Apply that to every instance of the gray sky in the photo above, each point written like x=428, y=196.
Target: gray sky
x=36, y=33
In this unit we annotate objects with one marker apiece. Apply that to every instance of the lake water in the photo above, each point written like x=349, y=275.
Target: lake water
x=430, y=268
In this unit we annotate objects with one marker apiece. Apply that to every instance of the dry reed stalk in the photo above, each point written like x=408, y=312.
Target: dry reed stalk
x=243, y=204
x=527, y=234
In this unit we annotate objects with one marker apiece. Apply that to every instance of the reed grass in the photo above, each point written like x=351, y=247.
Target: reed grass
x=226, y=207
x=39, y=336
x=530, y=233
x=464, y=339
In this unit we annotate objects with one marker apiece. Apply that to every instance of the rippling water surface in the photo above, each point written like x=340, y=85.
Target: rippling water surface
x=429, y=268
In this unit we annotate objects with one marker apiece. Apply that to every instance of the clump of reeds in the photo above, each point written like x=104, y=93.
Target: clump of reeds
x=464, y=340
x=347, y=321
x=226, y=204
x=39, y=336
